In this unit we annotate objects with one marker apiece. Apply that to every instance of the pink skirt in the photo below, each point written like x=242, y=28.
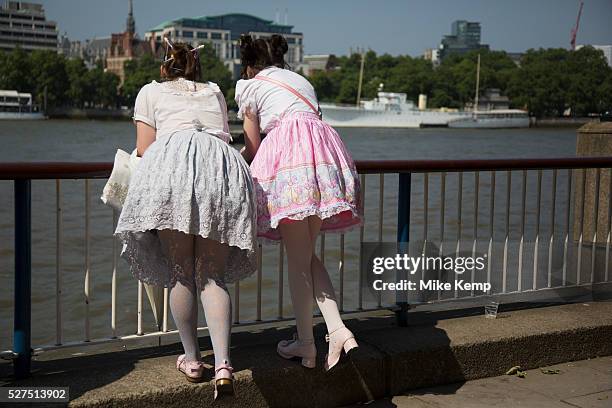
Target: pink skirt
x=301, y=169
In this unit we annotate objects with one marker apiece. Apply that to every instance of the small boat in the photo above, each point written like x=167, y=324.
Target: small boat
x=394, y=110
x=18, y=106
x=387, y=110
x=492, y=119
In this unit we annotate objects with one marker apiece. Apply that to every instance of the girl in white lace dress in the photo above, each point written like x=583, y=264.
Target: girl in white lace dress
x=189, y=219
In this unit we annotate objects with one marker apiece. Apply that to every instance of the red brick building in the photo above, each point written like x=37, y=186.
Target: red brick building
x=125, y=47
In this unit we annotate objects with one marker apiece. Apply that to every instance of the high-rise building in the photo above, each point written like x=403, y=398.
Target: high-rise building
x=223, y=32
x=465, y=37
x=466, y=32
x=25, y=25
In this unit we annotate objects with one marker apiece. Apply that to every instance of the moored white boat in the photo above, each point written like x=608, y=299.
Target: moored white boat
x=18, y=106
x=493, y=119
x=393, y=110
x=388, y=110
x=22, y=116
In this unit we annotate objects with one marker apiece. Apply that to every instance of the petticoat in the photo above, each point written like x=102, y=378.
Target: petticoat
x=193, y=182
x=302, y=168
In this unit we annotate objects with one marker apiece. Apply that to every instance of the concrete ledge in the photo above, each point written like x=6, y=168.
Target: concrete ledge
x=436, y=349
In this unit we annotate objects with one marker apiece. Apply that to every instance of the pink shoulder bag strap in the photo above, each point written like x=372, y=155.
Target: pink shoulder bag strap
x=292, y=90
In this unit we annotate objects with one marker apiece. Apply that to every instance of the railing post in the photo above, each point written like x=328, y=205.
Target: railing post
x=403, y=230
x=23, y=278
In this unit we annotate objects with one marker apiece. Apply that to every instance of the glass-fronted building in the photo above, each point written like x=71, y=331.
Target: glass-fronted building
x=465, y=37
x=25, y=25
x=223, y=32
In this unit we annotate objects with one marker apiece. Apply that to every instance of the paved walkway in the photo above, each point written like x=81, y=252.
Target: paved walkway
x=436, y=348
x=583, y=384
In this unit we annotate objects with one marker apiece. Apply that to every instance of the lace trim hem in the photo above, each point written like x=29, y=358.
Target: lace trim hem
x=166, y=275
x=241, y=244
x=303, y=213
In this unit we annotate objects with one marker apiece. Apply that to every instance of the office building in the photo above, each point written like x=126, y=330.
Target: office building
x=465, y=37
x=25, y=25
x=223, y=32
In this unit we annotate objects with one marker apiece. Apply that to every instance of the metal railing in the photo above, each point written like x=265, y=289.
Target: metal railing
x=449, y=199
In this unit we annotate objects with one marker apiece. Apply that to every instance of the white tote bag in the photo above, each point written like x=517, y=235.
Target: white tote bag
x=114, y=194
x=116, y=188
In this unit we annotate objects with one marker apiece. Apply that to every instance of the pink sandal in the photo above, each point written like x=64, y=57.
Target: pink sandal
x=339, y=340
x=193, y=370
x=224, y=384
x=295, y=348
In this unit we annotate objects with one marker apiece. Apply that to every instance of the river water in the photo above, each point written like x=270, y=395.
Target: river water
x=85, y=141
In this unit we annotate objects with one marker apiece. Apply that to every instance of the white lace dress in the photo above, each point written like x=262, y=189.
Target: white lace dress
x=190, y=180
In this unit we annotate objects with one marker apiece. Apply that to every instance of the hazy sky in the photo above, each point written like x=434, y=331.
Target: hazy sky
x=333, y=26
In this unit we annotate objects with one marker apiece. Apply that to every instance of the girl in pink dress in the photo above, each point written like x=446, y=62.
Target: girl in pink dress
x=305, y=183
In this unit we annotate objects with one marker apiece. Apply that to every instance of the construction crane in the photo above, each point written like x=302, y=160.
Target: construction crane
x=575, y=29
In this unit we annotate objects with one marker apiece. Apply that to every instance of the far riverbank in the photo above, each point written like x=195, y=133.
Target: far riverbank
x=126, y=114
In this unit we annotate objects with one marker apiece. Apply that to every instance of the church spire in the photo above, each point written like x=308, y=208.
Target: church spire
x=131, y=24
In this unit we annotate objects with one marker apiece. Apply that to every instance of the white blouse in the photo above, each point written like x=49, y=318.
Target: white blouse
x=182, y=104
x=270, y=101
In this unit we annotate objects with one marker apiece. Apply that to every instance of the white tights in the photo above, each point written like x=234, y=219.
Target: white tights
x=308, y=277
x=198, y=266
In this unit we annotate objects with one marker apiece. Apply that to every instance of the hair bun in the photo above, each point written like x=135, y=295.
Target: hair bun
x=181, y=62
x=279, y=45
x=247, y=47
x=261, y=53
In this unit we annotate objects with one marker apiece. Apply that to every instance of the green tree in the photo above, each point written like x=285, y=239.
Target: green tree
x=588, y=70
x=78, y=91
x=347, y=92
x=230, y=99
x=49, y=73
x=138, y=72
x=103, y=88
x=454, y=81
x=412, y=76
x=214, y=70
x=541, y=82
x=15, y=71
x=605, y=95
x=324, y=85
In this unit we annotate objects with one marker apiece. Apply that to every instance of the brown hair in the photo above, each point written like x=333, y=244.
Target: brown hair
x=262, y=52
x=181, y=62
